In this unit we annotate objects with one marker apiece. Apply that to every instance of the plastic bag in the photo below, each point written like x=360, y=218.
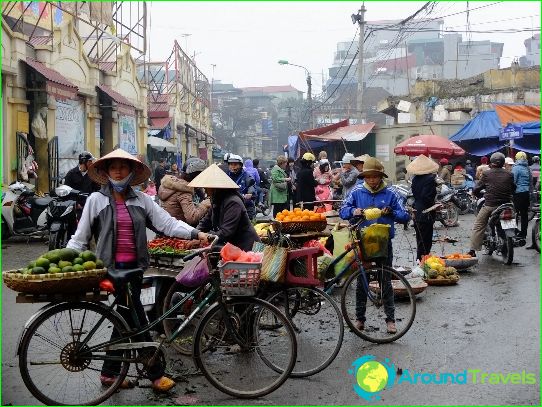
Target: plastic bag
x=195, y=273
x=374, y=241
x=230, y=253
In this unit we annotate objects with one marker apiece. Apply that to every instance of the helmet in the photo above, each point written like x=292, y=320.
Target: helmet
x=195, y=165
x=536, y=159
x=226, y=156
x=509, y=161
x=520, y=155
x=443, y=161
x=234, y=158
x=497, y=159
x=309, y=157
x=85, y=156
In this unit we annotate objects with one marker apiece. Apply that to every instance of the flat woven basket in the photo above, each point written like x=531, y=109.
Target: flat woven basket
x=399, y=290
x=461, y=264
x=445, y=281
x=307, y=226
x=58, y=283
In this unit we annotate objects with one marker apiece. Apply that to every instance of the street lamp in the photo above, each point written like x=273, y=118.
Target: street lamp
x=309, y=86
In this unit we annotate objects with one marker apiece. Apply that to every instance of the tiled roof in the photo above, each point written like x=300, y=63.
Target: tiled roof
x=117, y=97
x=49, y=74
x=158, y=123
x=40, y=40
x=270, y=89
x=107, y=66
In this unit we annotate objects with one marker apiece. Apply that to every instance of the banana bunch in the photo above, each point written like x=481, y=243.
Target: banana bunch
x=261, y=229
x=372, y=213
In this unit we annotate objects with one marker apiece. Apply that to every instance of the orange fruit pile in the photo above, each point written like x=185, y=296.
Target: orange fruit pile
x=298, y=215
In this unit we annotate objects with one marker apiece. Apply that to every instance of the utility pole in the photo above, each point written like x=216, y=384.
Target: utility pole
x=309, y=99
x=361, y=22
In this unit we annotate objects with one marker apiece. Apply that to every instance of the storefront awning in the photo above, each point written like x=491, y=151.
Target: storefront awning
x=355, y=132
x=512, y=113
x=158, y=123
x=56, y=83
x=124, y=105
x=159, y=144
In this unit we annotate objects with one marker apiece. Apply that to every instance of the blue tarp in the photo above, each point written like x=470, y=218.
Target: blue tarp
x=480, y=136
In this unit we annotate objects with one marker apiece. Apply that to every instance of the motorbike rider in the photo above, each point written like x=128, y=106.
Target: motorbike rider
x=224, y=165
x=445, y=171
x=499, y=186
x=245, y=181
x=470, y=169
x=78, y=178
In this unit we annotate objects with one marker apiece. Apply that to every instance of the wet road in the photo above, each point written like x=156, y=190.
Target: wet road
x=490, y=321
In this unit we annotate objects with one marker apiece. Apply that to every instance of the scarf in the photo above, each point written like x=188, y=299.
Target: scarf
x=121, y=185
x=380, y=187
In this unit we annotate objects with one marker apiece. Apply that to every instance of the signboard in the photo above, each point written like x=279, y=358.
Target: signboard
x=511, y=132
x=70, y=129
x=127, y=134
x=23, y=122
x=383, y=152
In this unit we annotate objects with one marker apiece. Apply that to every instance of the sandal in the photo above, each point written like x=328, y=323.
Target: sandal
x=109, y=380
x=162, y=384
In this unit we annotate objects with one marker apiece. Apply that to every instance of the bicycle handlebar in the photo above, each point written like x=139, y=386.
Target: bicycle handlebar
x=211, y=238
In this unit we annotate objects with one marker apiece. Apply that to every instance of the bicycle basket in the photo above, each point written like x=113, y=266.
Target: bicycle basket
x=240, y=279
x=374, y=241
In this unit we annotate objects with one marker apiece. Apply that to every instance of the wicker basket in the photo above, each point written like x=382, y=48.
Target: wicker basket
x=58, y=283
x=461, y=264
x=399, y=290
x=307, y=226
x=442, y=281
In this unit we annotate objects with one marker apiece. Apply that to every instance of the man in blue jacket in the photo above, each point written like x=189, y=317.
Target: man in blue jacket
x=374, y=193
x=245, y=181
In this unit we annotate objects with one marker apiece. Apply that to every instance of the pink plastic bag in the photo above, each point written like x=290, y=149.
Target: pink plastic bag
x=195, y=273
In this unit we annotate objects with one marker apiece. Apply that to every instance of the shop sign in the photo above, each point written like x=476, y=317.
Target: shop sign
x=70, y=129
x=23, y=122
x=511, y=132
x=127, y=134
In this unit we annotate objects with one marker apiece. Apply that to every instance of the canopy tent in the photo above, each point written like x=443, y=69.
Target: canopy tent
x=340, y=131
x=480, y=136
x=159, y=144
x=513, y=113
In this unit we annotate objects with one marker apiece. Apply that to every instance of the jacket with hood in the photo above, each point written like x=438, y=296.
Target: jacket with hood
x=253, y=172
x=522, y=176
x=178, y=200
x=99, y=219
x=363, y=198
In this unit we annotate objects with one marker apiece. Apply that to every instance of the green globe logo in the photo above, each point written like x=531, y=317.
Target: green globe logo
x=372, y=376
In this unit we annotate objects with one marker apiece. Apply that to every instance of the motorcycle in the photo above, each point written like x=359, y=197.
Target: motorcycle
x=535, y=229
x=500, y=233
x=23, y=214
x=63, y=214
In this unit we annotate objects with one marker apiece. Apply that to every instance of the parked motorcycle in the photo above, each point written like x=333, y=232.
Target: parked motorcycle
x=63, y=214
x=23, y=214
x=535, y=229
x=500, y=233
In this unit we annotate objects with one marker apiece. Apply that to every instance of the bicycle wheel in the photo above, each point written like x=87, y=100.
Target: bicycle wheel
x=50, y=362
x=246, y=366
x=318, y=324
x=380, y=305
x=176, y=293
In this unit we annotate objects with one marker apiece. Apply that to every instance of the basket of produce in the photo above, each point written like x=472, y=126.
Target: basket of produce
x=460, y=261
x=169, y=251
x=59, y=271
x=437, y=273
x=298, y=221
x=399, y=289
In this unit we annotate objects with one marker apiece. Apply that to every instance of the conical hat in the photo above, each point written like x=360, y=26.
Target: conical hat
x=422, y=165
x=97, y=171
x=213, y=177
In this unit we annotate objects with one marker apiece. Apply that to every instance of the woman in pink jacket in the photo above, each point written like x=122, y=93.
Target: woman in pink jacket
x=323, y=177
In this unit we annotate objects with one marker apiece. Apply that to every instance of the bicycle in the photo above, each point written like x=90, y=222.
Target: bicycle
x=63, y=345
x=373, y=282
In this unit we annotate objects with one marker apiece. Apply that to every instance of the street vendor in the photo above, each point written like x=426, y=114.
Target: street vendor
x=228, y=218
x=117, y=217
x=374, y=193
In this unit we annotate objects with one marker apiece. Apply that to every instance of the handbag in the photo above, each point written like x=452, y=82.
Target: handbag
x=195, y=273
x=274, y=262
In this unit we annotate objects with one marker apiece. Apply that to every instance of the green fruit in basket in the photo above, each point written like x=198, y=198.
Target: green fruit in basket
x=89, y=265
x=78, y=260
x=21, y=271
x=31, y=265
x=99, y=264
x=64, y=263
x=53, y=256
x=78, y=267
x=39, y=270
x=53, y=265
x=53, y=270
x=68, y=254
x=67, y=269
x=87, y=255
x=42, y=262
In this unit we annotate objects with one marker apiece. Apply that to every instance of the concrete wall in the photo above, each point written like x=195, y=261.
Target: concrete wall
x=512, y=78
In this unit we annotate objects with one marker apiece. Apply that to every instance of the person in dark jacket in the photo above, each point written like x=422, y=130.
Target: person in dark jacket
x=228, y=218
x=499, y=186
x=424, y=190
x=245, y=182
x=264, y=182
x=523, y=180
x=159, y=173
x=305, y=182
x=78, y=178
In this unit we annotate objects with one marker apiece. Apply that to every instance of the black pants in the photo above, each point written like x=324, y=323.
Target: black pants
x=424, y=238
x=112, y=368
x=521, y=203
x=278, y=207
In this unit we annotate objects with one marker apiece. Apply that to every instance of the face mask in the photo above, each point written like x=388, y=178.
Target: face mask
x=121, y=185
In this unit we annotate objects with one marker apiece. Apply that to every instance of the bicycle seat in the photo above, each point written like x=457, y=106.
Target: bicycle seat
x=121, y=277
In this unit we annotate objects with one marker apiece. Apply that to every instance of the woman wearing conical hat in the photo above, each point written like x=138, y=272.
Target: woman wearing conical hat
x=117, y=217
x=228, y=218
x=424, y=190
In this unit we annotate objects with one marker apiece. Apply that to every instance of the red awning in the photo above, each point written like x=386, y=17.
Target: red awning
x=321, y=130
x=355, y=132
x=158, y=123
x=517, y=113
x=116, y=96
x=56, y=83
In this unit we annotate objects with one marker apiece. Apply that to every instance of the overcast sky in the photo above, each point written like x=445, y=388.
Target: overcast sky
x=246, y=39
